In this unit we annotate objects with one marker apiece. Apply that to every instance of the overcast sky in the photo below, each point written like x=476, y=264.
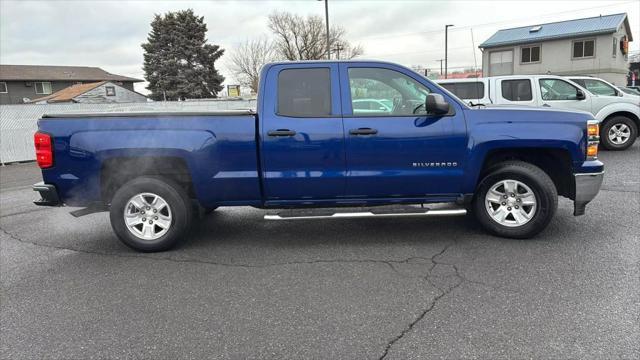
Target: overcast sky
x=108, y=34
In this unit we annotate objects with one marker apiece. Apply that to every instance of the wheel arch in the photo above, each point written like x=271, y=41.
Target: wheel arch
x=116, y=171
x=626, y=110
x=555, y=162
x=626, y=114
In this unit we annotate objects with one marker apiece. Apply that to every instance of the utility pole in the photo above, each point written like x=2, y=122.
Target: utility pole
x=326, y=20
x=446, y=34
x=337, y=50
x=441, y=60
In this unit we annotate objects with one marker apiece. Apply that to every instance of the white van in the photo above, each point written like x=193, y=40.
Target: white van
x=619, y=116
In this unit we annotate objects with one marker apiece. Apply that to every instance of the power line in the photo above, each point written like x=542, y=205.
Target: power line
x=434, y=31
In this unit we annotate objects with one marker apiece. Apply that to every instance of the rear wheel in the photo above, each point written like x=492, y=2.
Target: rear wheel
x=516, y=200
x=150, y=214
x=618, y=133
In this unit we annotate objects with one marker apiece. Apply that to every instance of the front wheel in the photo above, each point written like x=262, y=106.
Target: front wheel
x=516, y=200
x=150, y=214
x=618, y=133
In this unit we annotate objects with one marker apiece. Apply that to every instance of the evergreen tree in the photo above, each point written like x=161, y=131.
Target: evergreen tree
x=178, y=62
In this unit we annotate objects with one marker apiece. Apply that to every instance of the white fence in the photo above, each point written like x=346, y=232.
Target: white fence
x=19, y=122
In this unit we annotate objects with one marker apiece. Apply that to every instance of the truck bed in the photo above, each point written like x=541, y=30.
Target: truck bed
x=87, y=145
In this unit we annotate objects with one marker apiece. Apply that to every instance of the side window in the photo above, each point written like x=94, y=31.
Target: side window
x=466, y=90
x=304, y=92
x=599, y=88
x=517, y=90
x=3, y=87
x=555, y=89
x=377, y=91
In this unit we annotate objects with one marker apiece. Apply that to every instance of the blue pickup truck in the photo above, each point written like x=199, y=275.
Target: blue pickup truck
x=329, y=139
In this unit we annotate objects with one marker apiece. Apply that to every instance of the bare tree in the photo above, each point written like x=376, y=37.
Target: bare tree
x=248, y=58
x=299, y=38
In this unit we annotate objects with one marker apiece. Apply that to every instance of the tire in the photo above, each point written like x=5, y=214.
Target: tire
x=528, y=179
x=208, y=211
x=625, y=127
x=171, y=221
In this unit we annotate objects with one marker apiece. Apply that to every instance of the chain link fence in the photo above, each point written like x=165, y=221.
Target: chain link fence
x=19, y=122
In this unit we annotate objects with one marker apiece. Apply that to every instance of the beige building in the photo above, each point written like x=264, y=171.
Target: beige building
x=596, y=46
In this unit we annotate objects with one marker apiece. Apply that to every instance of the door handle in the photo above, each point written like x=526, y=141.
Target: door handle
x=363, y=131
x=546, y=105
x=281, y=132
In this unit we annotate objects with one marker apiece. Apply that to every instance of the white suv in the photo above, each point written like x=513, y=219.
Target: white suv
x=619, y=116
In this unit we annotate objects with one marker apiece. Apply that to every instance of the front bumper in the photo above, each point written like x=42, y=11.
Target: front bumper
x=587, y=187
x=48, y=195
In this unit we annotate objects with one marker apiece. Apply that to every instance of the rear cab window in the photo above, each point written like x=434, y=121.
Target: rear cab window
x=516, y=90
x=466, y=90
x=304, y=92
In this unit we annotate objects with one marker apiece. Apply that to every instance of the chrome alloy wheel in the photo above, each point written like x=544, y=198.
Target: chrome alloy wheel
x=619, y=133
x=510, y=203
x=147, y=216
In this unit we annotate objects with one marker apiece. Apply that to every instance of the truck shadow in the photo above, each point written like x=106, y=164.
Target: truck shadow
x=227, y=227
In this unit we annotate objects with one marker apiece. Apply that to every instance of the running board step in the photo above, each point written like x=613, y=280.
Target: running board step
x=376, y=212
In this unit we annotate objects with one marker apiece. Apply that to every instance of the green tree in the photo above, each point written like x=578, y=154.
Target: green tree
x=178, y=62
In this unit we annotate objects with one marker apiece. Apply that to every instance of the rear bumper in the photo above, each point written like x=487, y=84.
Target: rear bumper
x=48, y=195
x=587, y=187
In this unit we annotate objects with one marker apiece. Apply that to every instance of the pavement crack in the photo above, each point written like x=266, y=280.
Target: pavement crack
x=432, y=303
x=388, y=262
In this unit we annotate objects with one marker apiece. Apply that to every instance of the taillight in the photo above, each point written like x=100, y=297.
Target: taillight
x=44, y=150
x=593, y=139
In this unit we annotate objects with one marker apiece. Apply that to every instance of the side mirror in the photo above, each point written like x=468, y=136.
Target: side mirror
x=436, y=104
x=580, y=95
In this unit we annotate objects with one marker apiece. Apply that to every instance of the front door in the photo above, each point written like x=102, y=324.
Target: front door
x=301, y=134
x=557, y=93
x=393, y=147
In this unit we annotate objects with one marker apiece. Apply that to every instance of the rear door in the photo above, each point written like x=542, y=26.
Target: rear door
x=515, y=91
x=301, y=133
x=401, y=152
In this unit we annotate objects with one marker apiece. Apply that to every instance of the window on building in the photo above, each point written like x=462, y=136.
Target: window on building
x=111, y=90
x=501, y=63
x=466, y=90
x=530, y=54
x=377, y=91
x=584, y=48
x=42, y=87
x=304, y=92
x=517, y=90
x=3, y=88
x=615, y=47
x=556, y=89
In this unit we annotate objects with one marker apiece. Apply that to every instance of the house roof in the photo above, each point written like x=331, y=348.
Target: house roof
x=68, y=93
x=559, y=30
x=52, y=73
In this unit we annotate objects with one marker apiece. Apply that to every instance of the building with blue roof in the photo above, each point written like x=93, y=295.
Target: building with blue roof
x=596, y=46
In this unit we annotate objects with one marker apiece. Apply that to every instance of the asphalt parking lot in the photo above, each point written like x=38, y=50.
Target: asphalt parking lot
x=242, y=287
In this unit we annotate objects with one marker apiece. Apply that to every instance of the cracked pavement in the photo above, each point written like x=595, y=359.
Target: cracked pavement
x=241, y=287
